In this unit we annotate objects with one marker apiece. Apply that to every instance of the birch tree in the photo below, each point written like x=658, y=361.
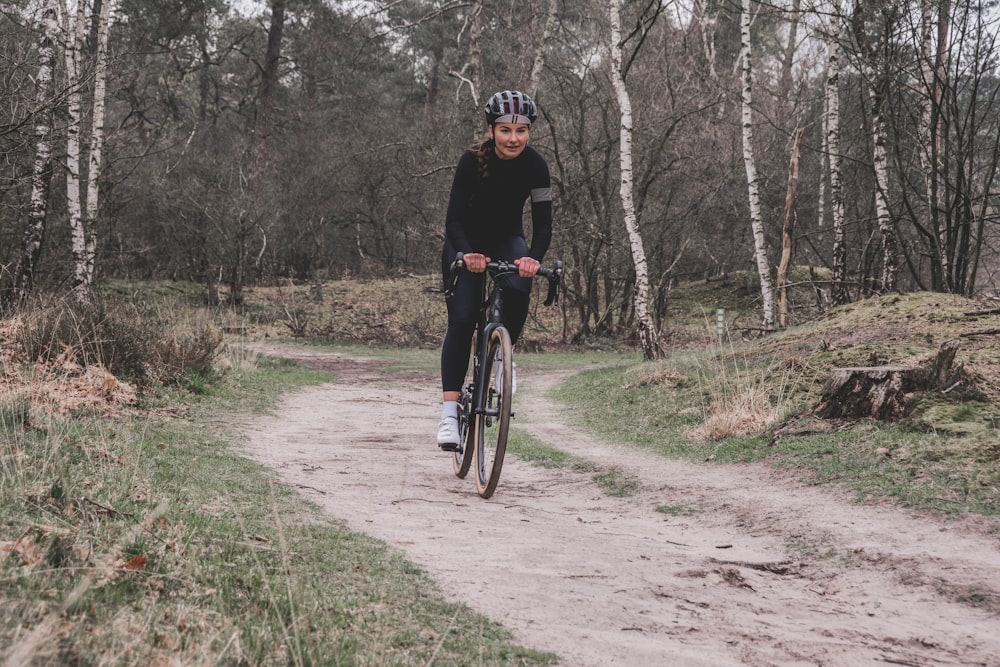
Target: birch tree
x=83, y=209
x=704, y=23
x=647, y=333
x=933, y=74
x=73, y=34
x=872, y=76
x=539, y=62
x=96, y=162
x=41, y=177
x=838, y=291
x=753, y=185
x=471, y=73
x=785, y=85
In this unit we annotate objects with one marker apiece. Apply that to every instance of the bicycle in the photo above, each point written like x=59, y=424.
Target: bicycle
x=484, y=411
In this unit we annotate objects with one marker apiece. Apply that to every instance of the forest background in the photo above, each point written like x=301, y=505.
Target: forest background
x=237, y=144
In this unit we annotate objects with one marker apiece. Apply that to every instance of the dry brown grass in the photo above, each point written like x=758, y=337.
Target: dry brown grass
x=405, y=311
x=750, y=410
x=59, y=386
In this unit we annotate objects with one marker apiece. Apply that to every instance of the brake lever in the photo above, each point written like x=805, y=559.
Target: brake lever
x=554, y=278
x=456, y=269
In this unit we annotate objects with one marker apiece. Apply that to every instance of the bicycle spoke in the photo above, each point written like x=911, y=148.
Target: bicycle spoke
x=493, y=422
x=462, y=459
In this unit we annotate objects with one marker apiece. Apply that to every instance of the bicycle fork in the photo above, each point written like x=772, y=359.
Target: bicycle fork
x=489, y=399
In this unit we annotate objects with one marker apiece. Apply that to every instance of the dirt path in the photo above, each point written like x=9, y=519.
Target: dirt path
x=763, y=571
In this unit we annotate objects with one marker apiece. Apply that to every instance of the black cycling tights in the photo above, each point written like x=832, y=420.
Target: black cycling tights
x=463, y=310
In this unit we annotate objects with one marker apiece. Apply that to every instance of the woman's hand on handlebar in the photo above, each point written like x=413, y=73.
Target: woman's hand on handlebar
x=475, y=262
x=527, y=267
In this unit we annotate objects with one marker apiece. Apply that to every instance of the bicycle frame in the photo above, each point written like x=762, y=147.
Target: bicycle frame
x=490, y=317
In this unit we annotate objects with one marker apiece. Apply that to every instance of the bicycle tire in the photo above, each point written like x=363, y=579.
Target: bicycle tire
x=492, y=419
x=462, y=458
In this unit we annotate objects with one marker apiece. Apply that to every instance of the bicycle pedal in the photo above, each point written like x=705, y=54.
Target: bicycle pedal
x=513, y=415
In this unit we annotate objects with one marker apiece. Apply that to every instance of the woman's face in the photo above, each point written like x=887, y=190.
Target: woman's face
x=510, y=139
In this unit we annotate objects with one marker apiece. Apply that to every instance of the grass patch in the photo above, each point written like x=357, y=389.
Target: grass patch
x=612, y=481
x=725, y=404
x=974, y=596
x=611, y=402
x=618, y=483
x=534, y=451
x=810, y=549
x=934, y=470
x=676, y=510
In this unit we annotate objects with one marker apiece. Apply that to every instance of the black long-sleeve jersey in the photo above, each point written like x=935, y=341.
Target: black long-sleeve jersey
x=483, y=211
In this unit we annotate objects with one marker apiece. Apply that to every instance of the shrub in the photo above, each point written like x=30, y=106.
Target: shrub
x=187, y=352
x=131, y=342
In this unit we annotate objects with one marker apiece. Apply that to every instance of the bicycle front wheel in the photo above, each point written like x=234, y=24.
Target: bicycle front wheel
x=493, y=414
x=462, y=458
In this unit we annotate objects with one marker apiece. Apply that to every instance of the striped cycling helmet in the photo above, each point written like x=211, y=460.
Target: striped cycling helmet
x=511, y=106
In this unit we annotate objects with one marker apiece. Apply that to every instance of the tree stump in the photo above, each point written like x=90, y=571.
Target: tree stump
x=885, y=392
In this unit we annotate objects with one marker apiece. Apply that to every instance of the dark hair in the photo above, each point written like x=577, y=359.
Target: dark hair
x=485, y=153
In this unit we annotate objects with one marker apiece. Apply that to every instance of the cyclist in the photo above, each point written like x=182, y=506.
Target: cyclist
x=492, y=181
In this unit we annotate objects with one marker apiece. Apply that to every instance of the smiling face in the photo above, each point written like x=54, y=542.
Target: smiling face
x=510, y=139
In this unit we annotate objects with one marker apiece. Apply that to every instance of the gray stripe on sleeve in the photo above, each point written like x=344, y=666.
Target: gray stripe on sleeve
x=541, y=194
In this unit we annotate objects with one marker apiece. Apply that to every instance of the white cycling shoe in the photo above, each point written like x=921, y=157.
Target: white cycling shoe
x=448, y=436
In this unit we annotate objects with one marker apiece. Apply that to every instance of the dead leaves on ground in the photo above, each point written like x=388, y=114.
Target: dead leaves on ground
x=59, y=386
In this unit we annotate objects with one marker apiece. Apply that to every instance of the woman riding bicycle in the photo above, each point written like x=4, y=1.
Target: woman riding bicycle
x=492, y=181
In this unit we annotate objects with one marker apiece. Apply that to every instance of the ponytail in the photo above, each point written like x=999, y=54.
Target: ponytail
x=485, y=150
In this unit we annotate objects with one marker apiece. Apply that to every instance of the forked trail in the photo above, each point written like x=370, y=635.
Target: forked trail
x=762, y=570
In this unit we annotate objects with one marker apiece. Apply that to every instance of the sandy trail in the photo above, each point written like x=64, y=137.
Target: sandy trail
x=763, y=571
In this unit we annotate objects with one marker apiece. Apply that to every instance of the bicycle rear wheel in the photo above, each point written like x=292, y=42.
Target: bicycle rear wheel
x=462, y=458
x=492, y=419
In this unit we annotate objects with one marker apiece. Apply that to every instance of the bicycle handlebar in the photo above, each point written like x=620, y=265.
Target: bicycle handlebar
x=502, y=267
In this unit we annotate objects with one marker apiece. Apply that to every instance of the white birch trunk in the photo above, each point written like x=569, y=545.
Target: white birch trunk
x=838, y=292
x=756, y=221
x=706, y=26
x=785, y=87
x=926, y=148
x=880, y=162
x=41, y=176
x=933, y=73
x=82, y=204
x=539, y=63
x=96, y=162
x=647, y=333
x=73, y=28
x=824, y=151
x=927, y=79
x=472, y=71
x=940, y=67
x=476, y=65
